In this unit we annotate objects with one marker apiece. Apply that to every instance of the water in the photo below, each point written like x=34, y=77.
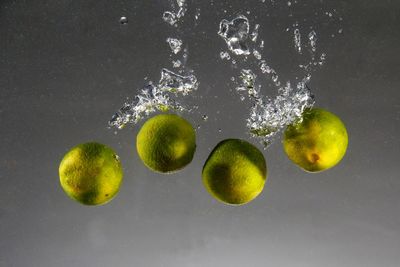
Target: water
x=312, y=36
x=171, y=86
x=297, y=40
x=248, y=83
x=224, y=55
x=254, y=34
x=268, y=116
x=176, y=63
x=174, y=44
x=174, y=16
x=170, y=17
x=257, y=54
x=123, y=20
x=153, y=97
x=175, y=83
x=235, y=33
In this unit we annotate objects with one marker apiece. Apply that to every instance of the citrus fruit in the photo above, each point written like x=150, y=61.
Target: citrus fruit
x=235, y=172
x=317, y=142
x=91, y=173
x=166, y=143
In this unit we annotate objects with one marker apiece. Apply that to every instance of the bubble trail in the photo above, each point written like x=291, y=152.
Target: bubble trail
x=267, y=116
x=312, y=37
x=297, y=40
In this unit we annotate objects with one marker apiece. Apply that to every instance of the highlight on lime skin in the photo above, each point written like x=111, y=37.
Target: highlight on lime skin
x=91, y=173
x=318, y=142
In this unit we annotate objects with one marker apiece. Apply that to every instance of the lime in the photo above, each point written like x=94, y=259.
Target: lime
x=235, y=172
x=317, y=142
x=166, y=143
x=91, y=173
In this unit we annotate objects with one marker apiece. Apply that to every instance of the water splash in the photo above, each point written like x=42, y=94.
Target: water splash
x=235, y=33
x=176, y=63
x=172, y=17
x=155, y=97
x=248, y=83
x=169, y=17
x=257, y=54
x=174, y=44
x=268, y=116
x=312, y=37
x=175, y=83
x=254, y=34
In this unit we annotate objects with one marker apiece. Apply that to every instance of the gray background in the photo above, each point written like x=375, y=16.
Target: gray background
x=66, y=66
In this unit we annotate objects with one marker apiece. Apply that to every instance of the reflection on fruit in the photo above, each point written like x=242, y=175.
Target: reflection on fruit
x=235, y=172
x=318, y=142
x=166, y=143
x=91, y=173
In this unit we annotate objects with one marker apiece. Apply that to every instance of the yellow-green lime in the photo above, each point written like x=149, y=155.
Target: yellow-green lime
x=91, y=173
x=317, y=142
x=235, y=172
x=166, y=143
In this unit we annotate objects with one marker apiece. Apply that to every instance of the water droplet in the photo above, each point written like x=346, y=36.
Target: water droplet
x=123, y=20
x=262, y=44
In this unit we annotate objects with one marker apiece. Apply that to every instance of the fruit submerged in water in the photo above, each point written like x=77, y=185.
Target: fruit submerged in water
x=235, y=172
x=316, y=143
x=91, y=173
x=166, y=143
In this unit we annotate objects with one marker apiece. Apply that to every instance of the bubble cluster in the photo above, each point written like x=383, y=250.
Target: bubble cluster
x=155, y=97
x=172, y=17
x=175, y=44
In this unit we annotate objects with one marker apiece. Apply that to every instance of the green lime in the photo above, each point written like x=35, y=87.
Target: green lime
x=166, y=143
x=91, y=173
x=316, y=143
x=235, y=172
